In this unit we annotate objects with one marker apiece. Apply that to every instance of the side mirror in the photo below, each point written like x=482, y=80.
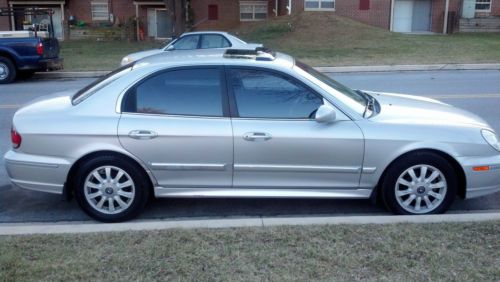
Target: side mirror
x=170, y=48
x=325, y=114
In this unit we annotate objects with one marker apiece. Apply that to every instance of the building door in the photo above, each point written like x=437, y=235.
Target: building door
x=421, y=15
x=403, y=15
x=163, y=24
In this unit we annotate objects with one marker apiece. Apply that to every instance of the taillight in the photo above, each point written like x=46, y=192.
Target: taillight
x=15, y=137
x=39, y=48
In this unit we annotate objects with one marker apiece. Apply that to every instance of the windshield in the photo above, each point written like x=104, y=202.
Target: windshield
x=101, y=82
x=355, y=100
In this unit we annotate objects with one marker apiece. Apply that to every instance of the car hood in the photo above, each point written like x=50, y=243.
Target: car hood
x=400, y=108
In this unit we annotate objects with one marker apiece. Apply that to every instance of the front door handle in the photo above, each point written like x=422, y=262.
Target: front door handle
x=142, y=134
x=256, y=136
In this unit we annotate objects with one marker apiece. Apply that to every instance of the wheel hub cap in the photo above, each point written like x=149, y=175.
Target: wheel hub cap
x=3, y=71
x=420, y=189
x=109, y=189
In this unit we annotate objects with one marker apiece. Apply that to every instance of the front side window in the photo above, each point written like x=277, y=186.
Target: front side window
x=214, y=41
x=191, y=92
x=265, y=94
x=99, y=10
x=312, y=5
x=483, y=5
x=187, y=42
x=253, y=11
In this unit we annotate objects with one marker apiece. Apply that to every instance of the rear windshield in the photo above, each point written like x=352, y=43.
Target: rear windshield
x=99, y=83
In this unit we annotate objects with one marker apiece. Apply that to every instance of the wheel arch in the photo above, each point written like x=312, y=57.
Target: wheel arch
x=69, y=186
x=462, y=180
x=6, y=54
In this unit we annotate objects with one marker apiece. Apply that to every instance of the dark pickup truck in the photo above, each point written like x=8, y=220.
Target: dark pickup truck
x=22, y=53
x=25, y=55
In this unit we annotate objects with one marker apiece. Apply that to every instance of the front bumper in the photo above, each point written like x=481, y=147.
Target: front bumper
x=480, y=183
x=39, y=173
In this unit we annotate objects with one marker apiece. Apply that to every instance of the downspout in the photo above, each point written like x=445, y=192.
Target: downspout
x=137, y=30
x=391, y=17
x=276, y=8
x=289, y=8
x=445, y=24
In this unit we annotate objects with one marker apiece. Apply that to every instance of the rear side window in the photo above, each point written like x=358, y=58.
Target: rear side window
x=214, y=41
x=189, y=42
x=192, y=92
x=265, y=94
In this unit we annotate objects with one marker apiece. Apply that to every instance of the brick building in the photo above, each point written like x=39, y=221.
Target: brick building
x=159, y=21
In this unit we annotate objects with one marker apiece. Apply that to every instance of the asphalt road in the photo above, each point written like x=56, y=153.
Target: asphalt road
x=476, y=91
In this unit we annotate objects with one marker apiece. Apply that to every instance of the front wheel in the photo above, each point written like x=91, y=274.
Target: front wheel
x=111, y=189
x=419, y=183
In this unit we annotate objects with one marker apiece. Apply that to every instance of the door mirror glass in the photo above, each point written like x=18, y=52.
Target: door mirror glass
x=170, y=48
x=325, y=114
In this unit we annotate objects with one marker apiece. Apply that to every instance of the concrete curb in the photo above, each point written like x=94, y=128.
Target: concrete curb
x=91, y=227
x=346, y=69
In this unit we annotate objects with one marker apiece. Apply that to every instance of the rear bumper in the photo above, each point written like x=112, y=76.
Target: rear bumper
x=39, y=173
x=481, y=183
x=45, y=64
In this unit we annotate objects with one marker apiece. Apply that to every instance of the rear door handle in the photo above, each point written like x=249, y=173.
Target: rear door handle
x=142, y=134
x=256, y=136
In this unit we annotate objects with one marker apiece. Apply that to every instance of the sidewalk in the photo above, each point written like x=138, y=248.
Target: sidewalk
x=343, y=69
x=91, y=227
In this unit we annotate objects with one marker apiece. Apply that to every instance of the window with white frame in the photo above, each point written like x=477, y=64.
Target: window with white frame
x=253, y=11
x=99, y=10
x=483, y=5
x=317, y=5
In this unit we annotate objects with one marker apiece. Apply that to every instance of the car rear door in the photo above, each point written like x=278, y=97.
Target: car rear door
x=176, y=121
x=277, y=142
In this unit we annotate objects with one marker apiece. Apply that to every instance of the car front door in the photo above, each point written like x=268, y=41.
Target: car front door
x=278, y=143
x=176, y=121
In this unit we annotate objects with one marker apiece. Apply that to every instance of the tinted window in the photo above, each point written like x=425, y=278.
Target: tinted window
x=178, y=92
x=214, y=41
x=187, y=42
x=263, y=94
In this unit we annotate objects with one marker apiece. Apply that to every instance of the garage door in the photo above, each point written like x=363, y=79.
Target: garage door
x=403, y=15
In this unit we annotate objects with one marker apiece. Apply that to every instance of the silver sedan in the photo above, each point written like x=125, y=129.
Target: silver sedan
x=197, y=40
x=242, y=123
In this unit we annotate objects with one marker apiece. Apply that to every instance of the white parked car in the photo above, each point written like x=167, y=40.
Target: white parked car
x=195, y=40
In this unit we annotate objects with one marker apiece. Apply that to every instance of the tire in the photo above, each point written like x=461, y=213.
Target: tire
x=106, y=201
x=436, y=190
x=7, y=70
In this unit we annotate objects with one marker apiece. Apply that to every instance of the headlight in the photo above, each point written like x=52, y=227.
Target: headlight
x=126, y=61
x=491, y=138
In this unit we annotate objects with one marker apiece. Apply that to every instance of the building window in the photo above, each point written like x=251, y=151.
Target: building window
x=483, y=5
x=364, y=4
x=213, y=12
x=318, y=5
x=99, y=10
x=253, y=11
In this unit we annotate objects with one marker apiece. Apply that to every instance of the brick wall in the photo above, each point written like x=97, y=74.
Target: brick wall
x=378, y=14
x=4, y=21
x=437, y=17
x=495, y=8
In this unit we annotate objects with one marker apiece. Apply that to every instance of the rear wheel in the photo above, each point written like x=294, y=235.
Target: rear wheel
x=111, y=189
x=419, y=183
x=7, y=71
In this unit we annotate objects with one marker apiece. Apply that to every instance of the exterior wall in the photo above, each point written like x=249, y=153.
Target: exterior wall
x=4, y=21
x=228, y=13
x=437, y=16
x=122, y=10
x=495, y=8
x=379, y=13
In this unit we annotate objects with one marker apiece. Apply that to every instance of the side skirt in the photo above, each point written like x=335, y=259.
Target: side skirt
x=161, y=192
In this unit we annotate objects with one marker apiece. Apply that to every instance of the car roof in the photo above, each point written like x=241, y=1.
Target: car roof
x=205, y=32
x=210, y=57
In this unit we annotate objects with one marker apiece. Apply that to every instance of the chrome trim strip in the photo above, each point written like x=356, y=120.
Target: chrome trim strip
x=23, y=163
x=180, y=166
x=162, y=192
x=297, y=168
x=369, y=170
